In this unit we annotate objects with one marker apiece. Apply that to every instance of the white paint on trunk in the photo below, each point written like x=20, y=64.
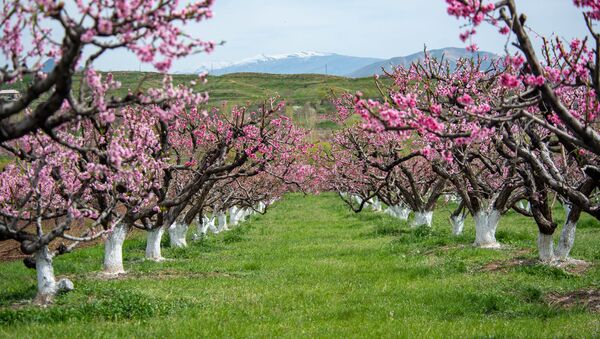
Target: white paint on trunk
x=422, y=218
x=545, y=247
x=177, y=234
x=567, y=207
x=262, y=207
x=234, y=216
x=458, y=223
x=246, y=212
x=203, y=227
x=375, y=204
x=113, y=250
x=486, y=223
x=402, y=212
x=399, y=211
x=222, y=222
x=211, y=225
x=48, y=287
x=153, y=250
x=566, y=240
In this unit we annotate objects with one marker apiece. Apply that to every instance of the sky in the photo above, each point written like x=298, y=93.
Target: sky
x=373, y=28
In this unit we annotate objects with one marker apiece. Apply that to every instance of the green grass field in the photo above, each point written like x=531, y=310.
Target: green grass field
x=307, y=96
x=312, y=268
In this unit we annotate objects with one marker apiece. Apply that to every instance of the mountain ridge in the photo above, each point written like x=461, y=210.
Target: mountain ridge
x=309, y=62
x=450, y=54
x=295, y=63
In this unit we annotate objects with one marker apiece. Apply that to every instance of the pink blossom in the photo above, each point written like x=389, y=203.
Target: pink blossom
x=465, y=99
x=509, y=80
x=532, y=80
x=104, y=26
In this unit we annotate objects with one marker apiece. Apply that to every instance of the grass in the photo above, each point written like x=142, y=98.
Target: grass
x=311, y=268
x=307, y=96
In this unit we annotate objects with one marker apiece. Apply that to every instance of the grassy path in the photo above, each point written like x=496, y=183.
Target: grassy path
x=311, y=268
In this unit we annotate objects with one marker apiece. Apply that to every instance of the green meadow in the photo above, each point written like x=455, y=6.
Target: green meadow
x=312, y=268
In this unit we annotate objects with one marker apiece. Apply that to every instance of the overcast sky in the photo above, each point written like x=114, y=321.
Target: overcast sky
x=373, y=28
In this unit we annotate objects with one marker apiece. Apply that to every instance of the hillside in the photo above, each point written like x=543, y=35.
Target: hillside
x=450, y=54
x=308, y=96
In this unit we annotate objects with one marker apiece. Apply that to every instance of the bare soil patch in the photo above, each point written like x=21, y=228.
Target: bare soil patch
x=586, y=298
x=572, y=266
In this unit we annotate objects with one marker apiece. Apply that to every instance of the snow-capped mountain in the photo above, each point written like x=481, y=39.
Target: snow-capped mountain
x=295, y=63
x=331, y=63
x=450, y=54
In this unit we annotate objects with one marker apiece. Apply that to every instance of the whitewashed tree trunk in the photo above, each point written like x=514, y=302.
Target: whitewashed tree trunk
x=153, y=250
x=113, y=250
x=486, y=223
x=48, y=287
x=399, y=211
x=210, y=226
x=262, y=207
x=375, y=204
x=357, y=199
x=458, y=223
x=422, y=218
x=566, y=240
x=177, y=234
x=222, y=222
x=545, y=247
x=402, y=212
x=233, y=216
x=203, y=227
x=199, y=230
x=246, y=213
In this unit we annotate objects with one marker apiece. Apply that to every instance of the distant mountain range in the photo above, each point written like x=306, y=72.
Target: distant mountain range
x=450, y=54
x=296, y=63
x=333, y=64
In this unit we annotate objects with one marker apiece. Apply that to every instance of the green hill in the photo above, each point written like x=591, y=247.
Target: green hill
x=307, y=95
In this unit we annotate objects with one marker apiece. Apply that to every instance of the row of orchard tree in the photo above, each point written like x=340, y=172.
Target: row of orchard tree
x=518, y=134
x=90, y=164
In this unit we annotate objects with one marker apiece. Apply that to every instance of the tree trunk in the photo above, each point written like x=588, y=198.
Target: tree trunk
x=486, y=223
x=567, y=236
x=177, y=234
x=48, y=287
x=545, y=247
x=566, y=240
x=458, y=223
x=153, y=250
x=399, y=211
x=113, y=250
x=222, y=221
x=375, y=204
x=234, y=216
x=422, y=218
x=245, y=214
x=261, y=207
